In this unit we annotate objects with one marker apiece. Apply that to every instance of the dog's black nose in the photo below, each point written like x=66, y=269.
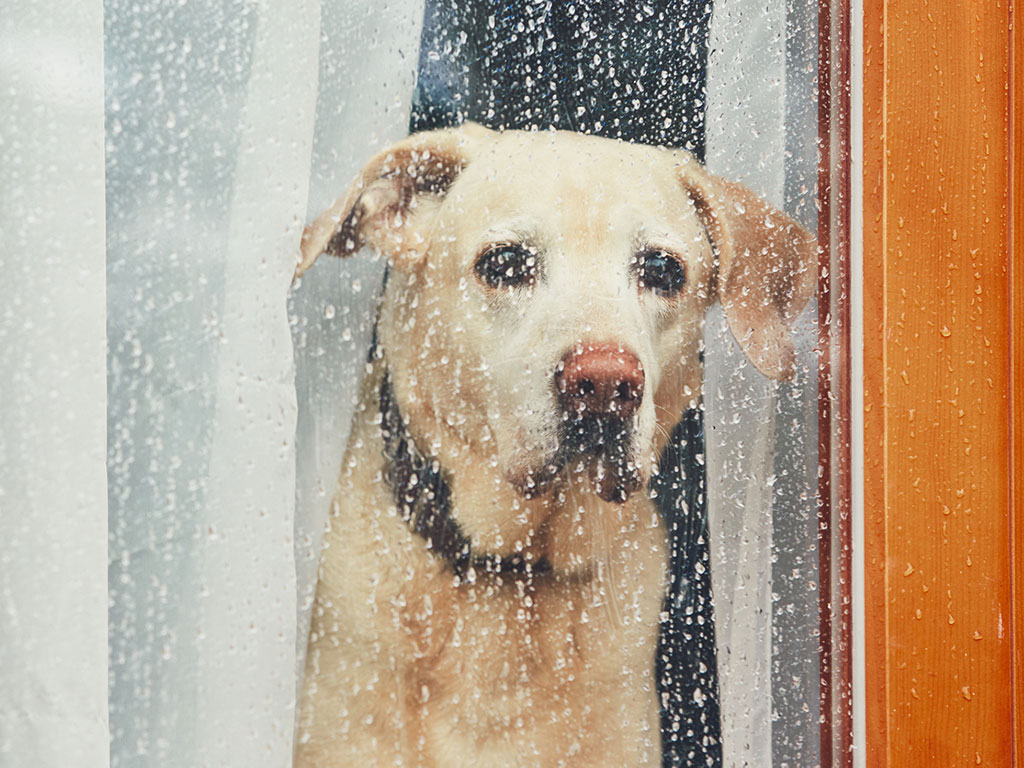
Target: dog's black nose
x=600, y=379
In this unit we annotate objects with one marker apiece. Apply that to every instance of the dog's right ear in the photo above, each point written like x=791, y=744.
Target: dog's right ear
x=766, y=265
x=380, y=203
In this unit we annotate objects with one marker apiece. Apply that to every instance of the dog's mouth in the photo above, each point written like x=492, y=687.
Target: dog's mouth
x=601, y=445
x=598, y=444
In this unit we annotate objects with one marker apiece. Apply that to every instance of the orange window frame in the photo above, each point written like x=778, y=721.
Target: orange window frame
x=943, y=183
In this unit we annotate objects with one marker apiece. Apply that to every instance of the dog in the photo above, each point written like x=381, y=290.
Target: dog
x=493, y=569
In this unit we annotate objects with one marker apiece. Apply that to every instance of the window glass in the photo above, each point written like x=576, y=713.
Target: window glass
x=540, y=469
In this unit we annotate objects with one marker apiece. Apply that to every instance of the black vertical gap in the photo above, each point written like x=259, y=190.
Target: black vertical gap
x=686, y=663
x=635, y=71
x=620, y=69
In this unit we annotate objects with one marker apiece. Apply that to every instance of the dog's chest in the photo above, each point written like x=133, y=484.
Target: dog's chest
x=500, y=672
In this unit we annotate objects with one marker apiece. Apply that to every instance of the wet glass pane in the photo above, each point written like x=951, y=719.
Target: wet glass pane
x=466, y=383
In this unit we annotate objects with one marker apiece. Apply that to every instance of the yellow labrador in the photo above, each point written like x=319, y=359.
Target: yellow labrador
x=493, y=570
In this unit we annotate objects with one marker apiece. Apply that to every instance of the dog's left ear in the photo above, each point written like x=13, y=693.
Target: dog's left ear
x=766, y=266
x=382, y=201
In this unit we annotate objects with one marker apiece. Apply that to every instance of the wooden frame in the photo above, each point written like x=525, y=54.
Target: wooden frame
x=834, y=520
x=1017, y=365
x=943, y=386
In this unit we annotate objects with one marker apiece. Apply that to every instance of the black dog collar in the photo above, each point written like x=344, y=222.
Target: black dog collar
x=424, y=499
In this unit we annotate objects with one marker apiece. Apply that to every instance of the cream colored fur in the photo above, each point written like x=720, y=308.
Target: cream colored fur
x=409, y=665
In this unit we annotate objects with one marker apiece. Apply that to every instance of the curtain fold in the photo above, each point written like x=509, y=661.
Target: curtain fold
x=210, y=112
x=53, y=495
x=762, y=436
x=247, y=604
x=745, y=141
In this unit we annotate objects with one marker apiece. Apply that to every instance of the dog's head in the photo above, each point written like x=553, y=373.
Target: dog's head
x=549, y=290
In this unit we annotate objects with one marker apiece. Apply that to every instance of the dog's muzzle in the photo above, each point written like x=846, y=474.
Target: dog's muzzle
x=599, y=389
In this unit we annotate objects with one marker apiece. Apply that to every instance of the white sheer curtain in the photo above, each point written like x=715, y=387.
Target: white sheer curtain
x=758, y=131
x=745, y=141
x=246, y=660
x=210, y=121
x=53, y=511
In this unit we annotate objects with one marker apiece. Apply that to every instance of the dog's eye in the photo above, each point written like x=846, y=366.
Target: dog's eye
x=660, y=272
x=507, y=266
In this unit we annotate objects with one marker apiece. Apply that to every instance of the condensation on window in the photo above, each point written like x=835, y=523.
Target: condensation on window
x=463, y=384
